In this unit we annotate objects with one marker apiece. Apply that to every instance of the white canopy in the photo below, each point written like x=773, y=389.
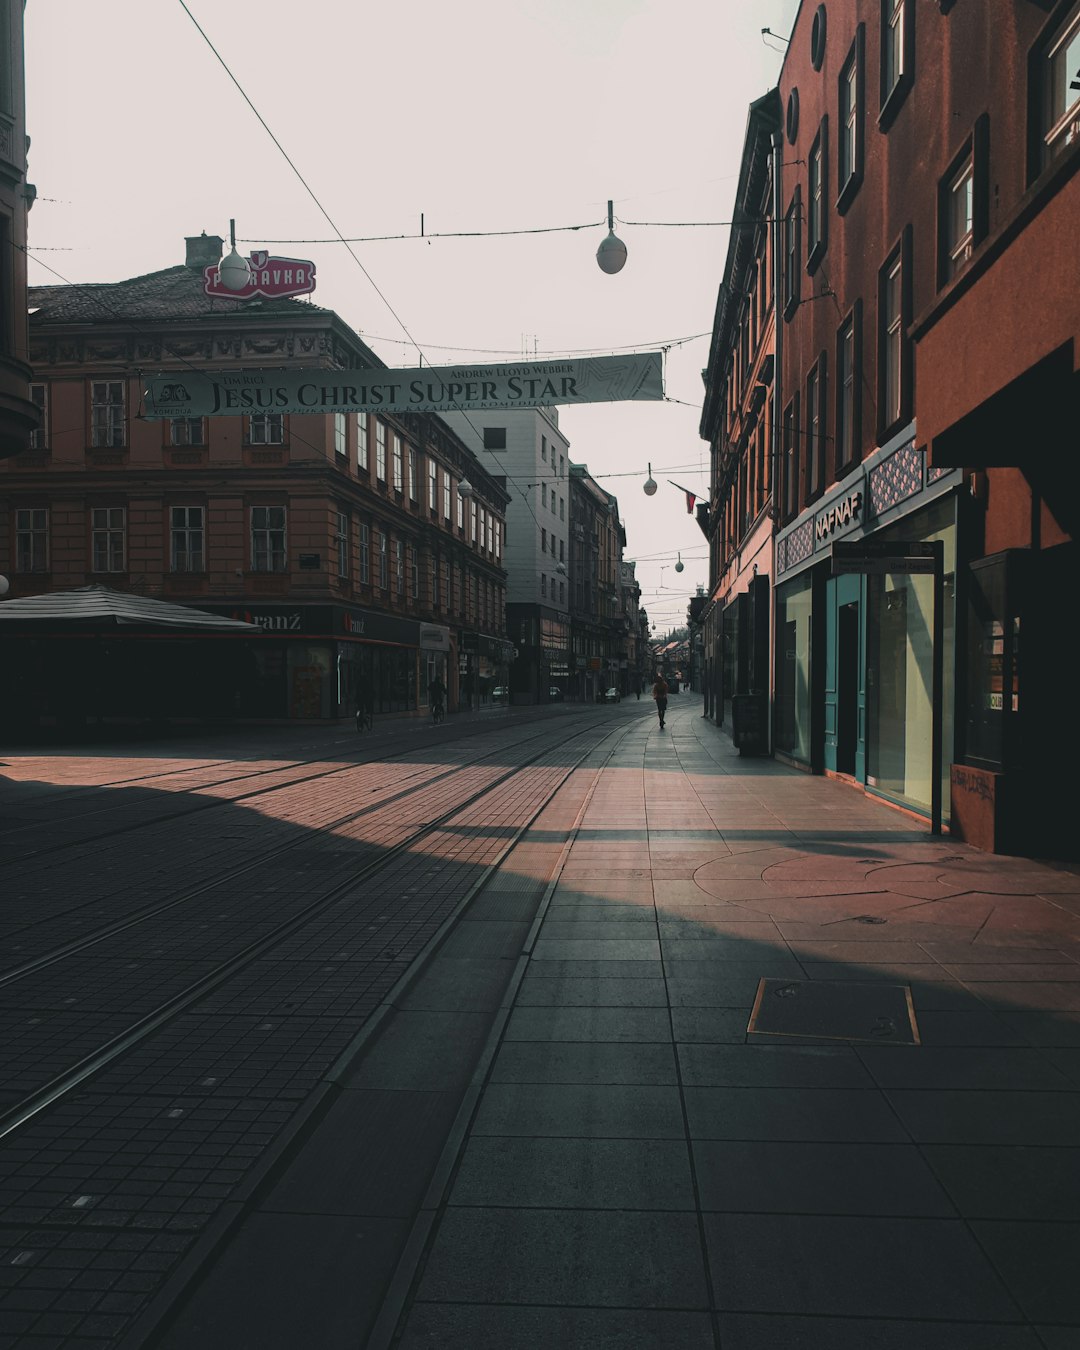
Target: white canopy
x=98, y=606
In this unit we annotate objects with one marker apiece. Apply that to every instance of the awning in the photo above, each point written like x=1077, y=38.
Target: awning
x=97, y=607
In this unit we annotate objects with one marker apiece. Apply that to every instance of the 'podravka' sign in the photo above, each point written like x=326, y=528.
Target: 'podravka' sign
x=275, y=278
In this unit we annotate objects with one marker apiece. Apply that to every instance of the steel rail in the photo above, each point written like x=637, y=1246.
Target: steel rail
x=160, y=907
x=19, y=1114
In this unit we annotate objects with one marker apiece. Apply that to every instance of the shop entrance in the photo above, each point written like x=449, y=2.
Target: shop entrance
x=845, y=677
x=848, y=670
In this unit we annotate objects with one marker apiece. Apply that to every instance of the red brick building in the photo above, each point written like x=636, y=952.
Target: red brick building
x=926, y=399
x=343, y=536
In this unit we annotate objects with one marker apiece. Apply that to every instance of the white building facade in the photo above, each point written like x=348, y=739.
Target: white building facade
x=527, y=453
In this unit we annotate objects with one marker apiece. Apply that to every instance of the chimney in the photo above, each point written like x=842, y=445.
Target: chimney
x=204, y=250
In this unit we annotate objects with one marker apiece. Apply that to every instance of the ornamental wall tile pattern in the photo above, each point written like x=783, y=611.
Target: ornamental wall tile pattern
x=895, y=479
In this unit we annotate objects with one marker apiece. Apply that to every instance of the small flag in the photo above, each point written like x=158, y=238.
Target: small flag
x=690, y=500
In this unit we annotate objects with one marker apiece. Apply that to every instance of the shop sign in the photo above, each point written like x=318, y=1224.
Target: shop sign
x=353, y=623
x=310, y=562
x=275, y=278
x=517, y=384
x=842, y=513
x=434, y=638
x=557, y=669
x=271, y=622
x=594, y=663
x=880, y=557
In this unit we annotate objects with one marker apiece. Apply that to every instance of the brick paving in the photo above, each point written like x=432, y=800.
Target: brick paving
x=573, y=1135
x=162, y=1138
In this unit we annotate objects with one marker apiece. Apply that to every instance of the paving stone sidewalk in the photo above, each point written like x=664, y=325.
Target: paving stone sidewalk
x=644, y=1171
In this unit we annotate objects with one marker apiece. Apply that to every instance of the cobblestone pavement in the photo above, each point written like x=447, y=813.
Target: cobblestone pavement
x=647, y=1045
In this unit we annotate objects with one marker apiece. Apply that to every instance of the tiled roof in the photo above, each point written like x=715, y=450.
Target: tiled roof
x=176, y=293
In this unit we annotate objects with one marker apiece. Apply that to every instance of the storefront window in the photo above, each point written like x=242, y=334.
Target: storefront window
x=793, y=615
x=899, y=674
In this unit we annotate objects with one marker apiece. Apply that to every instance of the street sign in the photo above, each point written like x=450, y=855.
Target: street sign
x=879, y=557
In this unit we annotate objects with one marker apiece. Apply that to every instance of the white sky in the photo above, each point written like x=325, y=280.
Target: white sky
x=482, y=115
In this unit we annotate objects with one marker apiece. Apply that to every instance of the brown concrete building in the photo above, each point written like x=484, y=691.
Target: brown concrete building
x=18, y=416
x=738, y=421
x=598, y=628
x=343, y=537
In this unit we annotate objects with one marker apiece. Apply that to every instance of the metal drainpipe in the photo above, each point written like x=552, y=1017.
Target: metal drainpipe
x=777, y=404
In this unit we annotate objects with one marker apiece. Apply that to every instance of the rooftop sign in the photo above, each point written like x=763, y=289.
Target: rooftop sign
x=518, y=384
x=276, y=278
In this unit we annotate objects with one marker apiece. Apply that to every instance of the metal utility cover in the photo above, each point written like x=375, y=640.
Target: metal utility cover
x=835, y=1010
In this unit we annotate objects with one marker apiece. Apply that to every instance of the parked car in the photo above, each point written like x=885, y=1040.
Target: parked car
x=554, y=692
x=501, y=694
x=612, y=696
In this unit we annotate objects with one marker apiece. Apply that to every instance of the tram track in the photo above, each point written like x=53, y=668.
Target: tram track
x=143, y=1025
x=95, y=835
x=428, y=779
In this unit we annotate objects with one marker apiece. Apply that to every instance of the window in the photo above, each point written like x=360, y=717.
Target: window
x=472, y=523
x=959, y=219
x=362, y=460
x=339, y=435
x=187, y=539
x=815, y=428
x=791, y=459
x=892, y=336
x=543, y=449
x=384, y=560
x=414, y=571
x=399, y=464
x=562, y=550
x=562, y=508
x=39, y=397
x=817, y=220
x=380, y=450
x=399, y=566
x=897, y=56
x=446, y=495
x=1059, y=78
x=414, y=495
x=433, y=485
x=494, y=438
x=791, y=257
x=108, y=530
x=365, y=553
x=107, y=418
x=543, y=494
x=341, y=543
x=848, y=390
x=266, y=429
x=32, y=539
x=963, y=203
x=543, y=585
x=267, y=538
x=562, y=467
x=894, y=346
x=186, y=431
x=434, y=583
x=543, y=541
x=496, y=537
x=849, y=137
x=562, y=592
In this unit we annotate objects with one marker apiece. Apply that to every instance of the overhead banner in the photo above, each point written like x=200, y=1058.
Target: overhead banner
x=517, y=384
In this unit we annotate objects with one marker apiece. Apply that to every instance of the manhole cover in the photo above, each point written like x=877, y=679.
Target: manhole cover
x=835, y=1010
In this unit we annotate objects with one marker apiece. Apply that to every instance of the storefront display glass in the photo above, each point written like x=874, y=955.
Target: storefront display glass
x=899, y=675
x=793, y=615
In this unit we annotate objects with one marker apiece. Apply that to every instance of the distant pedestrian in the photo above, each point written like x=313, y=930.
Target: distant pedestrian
x=660, y=693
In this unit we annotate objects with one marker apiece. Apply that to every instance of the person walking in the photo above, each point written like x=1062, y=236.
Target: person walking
x=660, y=693
x=365, y=704
x=437, y=698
